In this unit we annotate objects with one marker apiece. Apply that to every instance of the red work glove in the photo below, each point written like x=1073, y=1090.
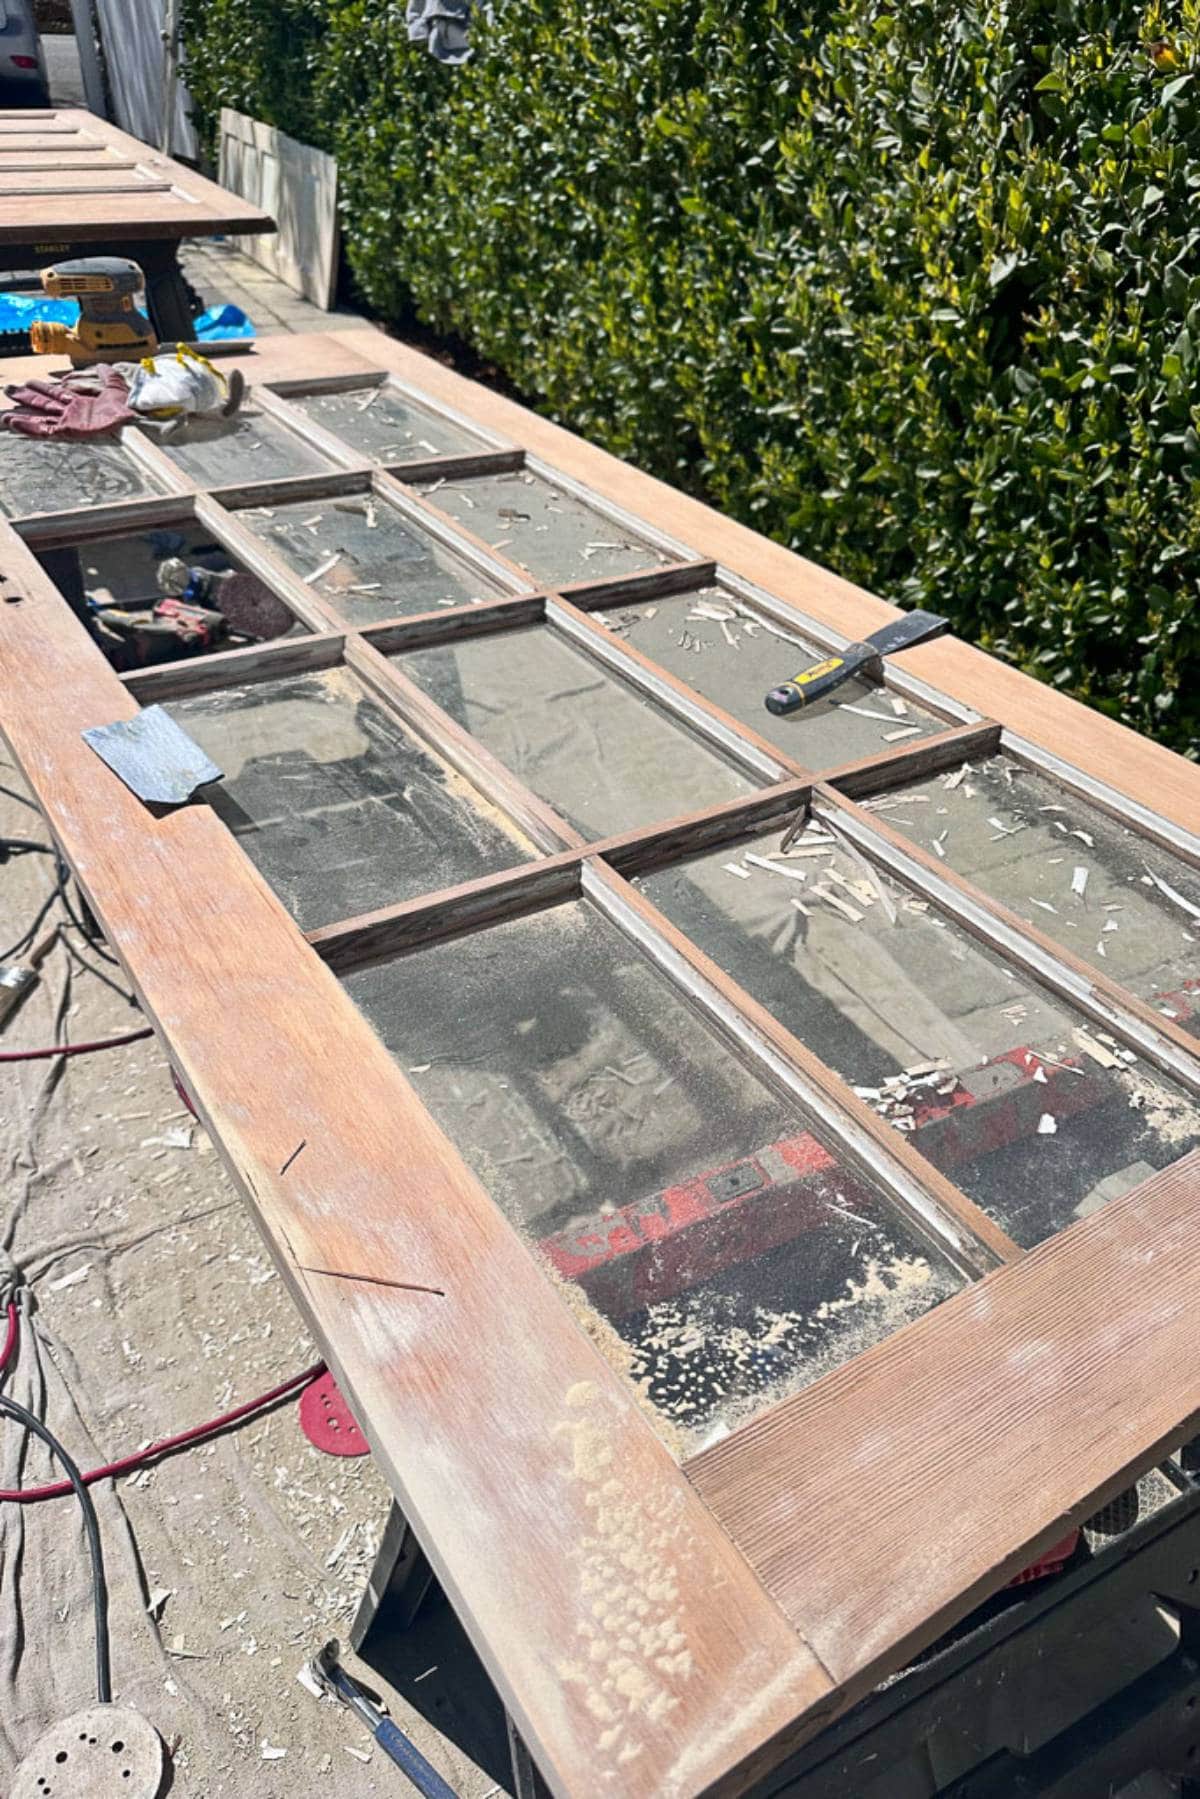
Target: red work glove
x=86, y=403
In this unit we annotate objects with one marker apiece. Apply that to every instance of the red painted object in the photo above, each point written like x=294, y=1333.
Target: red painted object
x=1051, y=1561
x=327, y=1420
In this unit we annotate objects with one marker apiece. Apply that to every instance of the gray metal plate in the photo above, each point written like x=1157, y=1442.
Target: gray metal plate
x=106, y=1752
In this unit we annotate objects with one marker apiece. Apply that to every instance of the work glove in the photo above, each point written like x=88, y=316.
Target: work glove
x=85, y=403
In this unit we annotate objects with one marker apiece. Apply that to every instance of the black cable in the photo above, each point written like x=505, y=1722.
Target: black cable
x=22, y=798
x=91, y=1527
x=15, y=949
x=23, y=846
x=94, y=936
x=105, y=979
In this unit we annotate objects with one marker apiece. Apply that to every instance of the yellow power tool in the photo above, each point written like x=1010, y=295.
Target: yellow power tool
x=112, y=327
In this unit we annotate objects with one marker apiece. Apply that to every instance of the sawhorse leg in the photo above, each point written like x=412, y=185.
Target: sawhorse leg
x=527, y=1782
x=400, y=1580
x=168, y=298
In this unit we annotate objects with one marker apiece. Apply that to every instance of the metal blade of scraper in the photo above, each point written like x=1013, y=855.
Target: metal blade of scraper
x=865, y=658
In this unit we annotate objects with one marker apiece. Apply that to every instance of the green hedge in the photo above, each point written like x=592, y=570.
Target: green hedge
x=913, y=287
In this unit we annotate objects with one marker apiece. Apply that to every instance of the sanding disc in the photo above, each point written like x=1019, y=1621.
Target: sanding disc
x=106, y=1752
x=327, y=1420
x=251, y=608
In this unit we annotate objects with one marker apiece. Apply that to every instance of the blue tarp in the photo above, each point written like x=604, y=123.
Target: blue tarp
x=18, y=312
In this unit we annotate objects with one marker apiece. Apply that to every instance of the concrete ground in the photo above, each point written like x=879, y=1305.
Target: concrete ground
x=149, y=1304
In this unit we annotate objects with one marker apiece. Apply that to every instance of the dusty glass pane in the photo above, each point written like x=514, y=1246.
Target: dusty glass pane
x=1033, y=1113
x=386, y=425
x=247, y=447
x=365, y=558
x=1085, y=880
x=733, y=655
x=536, y=525
x=338, y=805
x=46, y=475
x=114, y=586
x=708, y=1224
x=603, y=756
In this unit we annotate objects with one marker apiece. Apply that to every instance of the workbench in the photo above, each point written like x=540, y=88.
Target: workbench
x=72, y=185
x=742, y=1171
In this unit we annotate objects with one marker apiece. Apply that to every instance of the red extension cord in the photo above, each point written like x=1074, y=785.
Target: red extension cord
x=60, y=1488
x=73, y=1049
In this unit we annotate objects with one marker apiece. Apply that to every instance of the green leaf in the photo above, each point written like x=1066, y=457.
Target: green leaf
x=1053, y=83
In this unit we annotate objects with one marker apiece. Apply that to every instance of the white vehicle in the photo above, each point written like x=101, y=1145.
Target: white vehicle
x=22, y=61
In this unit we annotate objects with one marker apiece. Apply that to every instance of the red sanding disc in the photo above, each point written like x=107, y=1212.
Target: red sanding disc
x=326, y=1420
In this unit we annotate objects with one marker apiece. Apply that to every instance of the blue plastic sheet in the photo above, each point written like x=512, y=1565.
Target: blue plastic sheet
x=224, y=321
x=18, y=312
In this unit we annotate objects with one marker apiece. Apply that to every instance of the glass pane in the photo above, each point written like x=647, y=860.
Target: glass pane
x=365, y=558
x=248, y=447
x=45, y=475
x=603, y=756
x=1034, y=1114
x=386, y=425
x=660, y=1178
x=1082, y=878
x=734, y=655
x=115, y=586
x=542, y=529
x=338, y=805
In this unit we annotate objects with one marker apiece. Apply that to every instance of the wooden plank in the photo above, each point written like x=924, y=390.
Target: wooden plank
x=159, y=198
x=115, y=518
x=390, y=929
x=444, y=624
x=521, y=1458
x=538, y=820
x=294, y=183
x=906, y=762
x=932, y=1203
x=432, y=917
x=1049, y=718
x=228, y=668
x=935, y=1466
x=645, y=584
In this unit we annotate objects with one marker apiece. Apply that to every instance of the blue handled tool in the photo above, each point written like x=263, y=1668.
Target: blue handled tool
x=865, y=658
x=332, y=1678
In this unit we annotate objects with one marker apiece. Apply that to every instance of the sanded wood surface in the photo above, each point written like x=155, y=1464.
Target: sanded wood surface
x=520, y=1457
x=884, y=1501
x=70, y=174
x=808, y=1553
x=1103, y=748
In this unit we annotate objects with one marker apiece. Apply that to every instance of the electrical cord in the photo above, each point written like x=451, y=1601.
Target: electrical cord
x=10, y=1408
x=74, y=1049
x=197, y=1433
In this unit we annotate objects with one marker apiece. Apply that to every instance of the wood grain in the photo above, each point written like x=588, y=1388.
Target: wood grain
x=228, y=668
x=906, y=762
x=136, y=192
x=1103, y=748
x=388, y=930
x=882, y=1503
x=521, y=1458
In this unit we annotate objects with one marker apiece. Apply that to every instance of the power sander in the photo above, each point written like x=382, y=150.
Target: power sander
x=111, y=327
